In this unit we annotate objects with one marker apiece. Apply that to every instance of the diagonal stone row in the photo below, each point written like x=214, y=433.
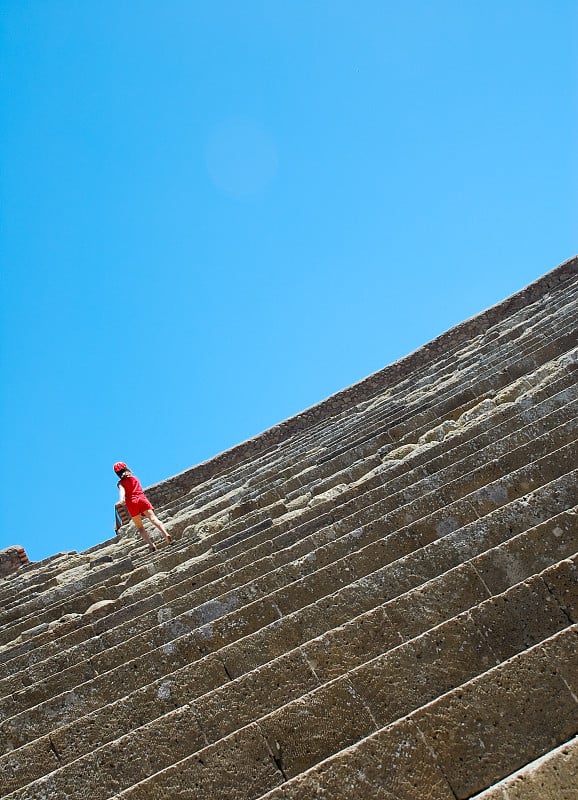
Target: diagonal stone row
x=378, y=599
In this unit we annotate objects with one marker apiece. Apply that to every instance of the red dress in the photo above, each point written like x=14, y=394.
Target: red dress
x=135, y=499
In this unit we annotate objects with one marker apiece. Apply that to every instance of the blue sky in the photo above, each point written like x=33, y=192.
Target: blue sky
x=216, y=214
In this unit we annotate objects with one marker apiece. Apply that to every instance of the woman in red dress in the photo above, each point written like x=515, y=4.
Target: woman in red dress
x=137, y=503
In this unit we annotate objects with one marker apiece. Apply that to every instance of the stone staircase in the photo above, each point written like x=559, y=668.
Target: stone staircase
x=375, y=599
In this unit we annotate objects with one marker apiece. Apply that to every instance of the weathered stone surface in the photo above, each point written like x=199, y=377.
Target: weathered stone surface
x=11, y=559
x=521, y=617
x=151, y=702
x=562, y=582
x=412, y=674
x=345, y=647
x=394, y=551
x=19, y=767
x=517, y=558
x=552, y=777
x=213, y=636
x=122, y=762
x=254, y=695
x=394, y=763
x=427, y=606
x=240, y=766
x=264, y=645
x=307, y=730
x=494, y=725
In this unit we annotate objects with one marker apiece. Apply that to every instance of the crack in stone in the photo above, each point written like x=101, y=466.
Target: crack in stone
x=54, y=749
x=557, y=601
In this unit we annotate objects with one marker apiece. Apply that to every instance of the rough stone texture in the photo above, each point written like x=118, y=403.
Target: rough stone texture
x=562, y=582
x=302, y=733
x=519, y=618
x=238, y=767
x=254, y=695
x=12, y=559
x=486, y=729
x=375, y=599
x=552, y=777
x=396, y=763
x=411, y=675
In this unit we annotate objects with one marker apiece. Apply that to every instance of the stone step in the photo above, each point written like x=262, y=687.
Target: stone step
x=311, y=512
x=491, y=631
x=334, y=549
x=570, y=377
x=553, y=776
x=467, y=335
x=425, y=461
x=34, y=575
x=415, y=455
x=496, y=382
x=365, y=593
x=309, y=552
x=416, y=752
x=451, y=367
x=92, y=577
x=440, y=403
x=516, y=361
x=354, y=490
x=457, y=745
x=378, y=480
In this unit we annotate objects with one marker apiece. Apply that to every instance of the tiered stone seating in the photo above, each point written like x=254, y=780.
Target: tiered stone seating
x=376, y=599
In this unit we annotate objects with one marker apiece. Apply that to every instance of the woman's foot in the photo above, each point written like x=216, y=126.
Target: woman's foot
x=169, y=538
x=152, y=548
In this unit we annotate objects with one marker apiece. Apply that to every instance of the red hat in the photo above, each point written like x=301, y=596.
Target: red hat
x=120, y=465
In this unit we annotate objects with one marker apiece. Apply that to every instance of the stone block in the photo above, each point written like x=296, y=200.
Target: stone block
x=51, y=686
x=393, y=764
x=498, y=722
x=345, y=647
x=26, y=764
x=562, y=652
x=110, y=626
x=11, y=559
x=336, y=608
x=316, y=726
x=424, y=668
x=463, y=485
x=552, y=777
x=139, y=708
x=562, y=582
x=520, y=618
x=82, y=651
x=240, y=766
x=438, y=522
x=429, y=604
x=125, y=761
x=263, y=645
x=527, y=553
x=213, y=636
x=254, y=694
x=309, y=589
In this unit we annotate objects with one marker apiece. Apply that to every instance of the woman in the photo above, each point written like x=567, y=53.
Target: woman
x=137, y=503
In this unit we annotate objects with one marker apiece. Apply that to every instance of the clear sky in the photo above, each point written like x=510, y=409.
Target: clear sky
x=216, y=213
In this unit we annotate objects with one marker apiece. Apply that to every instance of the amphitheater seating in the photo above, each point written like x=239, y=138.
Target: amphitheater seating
x=375, y=599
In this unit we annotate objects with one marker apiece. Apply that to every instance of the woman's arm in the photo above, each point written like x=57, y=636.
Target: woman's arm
x=121, y=494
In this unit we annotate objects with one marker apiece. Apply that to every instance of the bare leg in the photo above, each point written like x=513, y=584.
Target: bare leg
x=150, y=515
x=140, y=528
